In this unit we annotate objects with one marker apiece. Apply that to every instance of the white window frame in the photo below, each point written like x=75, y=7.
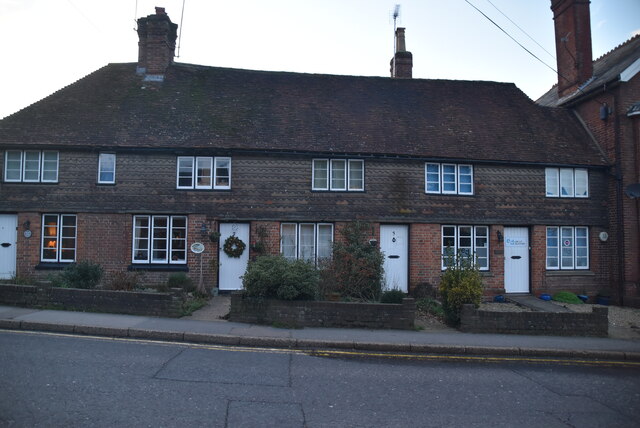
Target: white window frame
x=314, y=169
x=459, y=177
x=555, y=252
x=474, y=236
x=331, y=165
x=45, y=161
x=208, y=163
x=216, y=176
x=168, y=249
x=297, y=245
x=38, y=166
x=21, y=173
x=555, y=177
x=59, y=237
x=351, y=171
x=214, y=163
x=181, y=159
x=102, y=168
x=429, y=178
x=433, y=174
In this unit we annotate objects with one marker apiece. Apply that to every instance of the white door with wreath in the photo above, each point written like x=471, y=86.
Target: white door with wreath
x=233, y=255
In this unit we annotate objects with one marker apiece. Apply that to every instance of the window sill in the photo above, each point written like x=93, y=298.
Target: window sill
x=52, y=265
x=158, y=267
x=567, y=272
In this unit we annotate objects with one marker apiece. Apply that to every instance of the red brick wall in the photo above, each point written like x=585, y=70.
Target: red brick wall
x=619, y=138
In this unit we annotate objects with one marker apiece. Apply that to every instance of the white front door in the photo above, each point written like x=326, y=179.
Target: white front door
x=8, y=240
x=394, y=243
x=516, y=259
x=232, y=268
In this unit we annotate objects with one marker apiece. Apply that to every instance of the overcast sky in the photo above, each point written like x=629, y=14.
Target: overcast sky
x=48, y=44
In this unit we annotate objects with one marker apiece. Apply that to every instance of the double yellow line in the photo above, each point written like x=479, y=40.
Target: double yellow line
x=328, y=353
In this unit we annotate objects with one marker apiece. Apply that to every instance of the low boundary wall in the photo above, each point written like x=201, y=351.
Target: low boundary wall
x=76, y=299
x=303, y=313
x=595, y=323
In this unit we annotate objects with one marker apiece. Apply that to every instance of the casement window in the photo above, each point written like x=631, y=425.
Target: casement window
x=338, y=175
x=448, y=178
x=159, y=239
x=567, y=247
x=31, y=166
x=203, y=172
x=307, y=241
x=465, y=241
x=107, y=168
x=567, y=182
x=58, y=238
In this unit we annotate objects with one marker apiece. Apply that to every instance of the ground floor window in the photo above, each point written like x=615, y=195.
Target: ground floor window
x=307, y=241
x=160, y=239
x=567, y=247
x=58, y=238
x=465, y=241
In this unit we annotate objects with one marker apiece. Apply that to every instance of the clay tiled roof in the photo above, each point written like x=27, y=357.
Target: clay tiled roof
x=606, y=70
x=208, y=107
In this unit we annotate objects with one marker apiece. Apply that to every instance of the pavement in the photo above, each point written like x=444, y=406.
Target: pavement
x=205, y=326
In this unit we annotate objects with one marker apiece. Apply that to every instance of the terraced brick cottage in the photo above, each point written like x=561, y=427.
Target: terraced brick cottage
x=136, y=162
x=605, y=94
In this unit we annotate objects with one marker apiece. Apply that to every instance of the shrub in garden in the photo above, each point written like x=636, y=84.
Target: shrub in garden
x=461, y=284
x=356, y=268
x=181, y=280
x=392, y=296
x=280, y=278
x=125, y=281
x=566, y=297
x=84, y=274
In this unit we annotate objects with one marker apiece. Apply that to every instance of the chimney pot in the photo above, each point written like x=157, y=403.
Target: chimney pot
x=402, y=61
x=156, y=44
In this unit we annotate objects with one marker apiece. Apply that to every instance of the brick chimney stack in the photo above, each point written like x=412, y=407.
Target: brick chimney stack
x=156, y=44
x=572, y=24
x=402, y=61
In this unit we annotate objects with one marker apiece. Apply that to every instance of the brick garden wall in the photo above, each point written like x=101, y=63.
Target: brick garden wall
x=536, y=323
x=321, y=313
x=119, y=302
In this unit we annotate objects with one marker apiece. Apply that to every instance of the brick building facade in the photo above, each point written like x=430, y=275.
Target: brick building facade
x=603, y=94
x=131, y=165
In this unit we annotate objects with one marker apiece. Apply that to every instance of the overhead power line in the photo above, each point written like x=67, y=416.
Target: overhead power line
x=527, y=34
x=511, y=37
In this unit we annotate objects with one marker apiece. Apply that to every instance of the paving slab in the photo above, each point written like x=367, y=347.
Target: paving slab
x=82, y=318
x=536, y=304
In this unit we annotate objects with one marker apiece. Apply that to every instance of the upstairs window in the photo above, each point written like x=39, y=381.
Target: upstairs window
x=203, y=172
x=160, y=239
x=307, y=241
x=448, y=178
x=338, y=174
x=58, y=238
x=31, y=166
x=567, y=182
x=107, y=168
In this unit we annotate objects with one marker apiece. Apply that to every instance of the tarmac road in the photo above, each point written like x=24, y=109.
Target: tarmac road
x=49, y=379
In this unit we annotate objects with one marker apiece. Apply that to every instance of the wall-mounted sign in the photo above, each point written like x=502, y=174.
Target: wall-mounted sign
x=27, y=233
x=197, y=247
x=515, y=242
